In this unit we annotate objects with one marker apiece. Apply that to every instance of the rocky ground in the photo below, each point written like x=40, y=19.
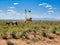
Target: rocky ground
x=28, y=42
x=33, y=38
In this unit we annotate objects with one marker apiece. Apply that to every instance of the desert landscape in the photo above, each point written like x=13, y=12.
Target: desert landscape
x=30, y=33
x=29, y=22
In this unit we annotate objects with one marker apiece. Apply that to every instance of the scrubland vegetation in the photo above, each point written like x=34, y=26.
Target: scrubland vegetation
x=34, y=31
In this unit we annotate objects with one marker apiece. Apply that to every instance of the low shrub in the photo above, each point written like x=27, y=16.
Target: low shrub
x=10, y=43
x=14, y=35
x=44, y=27
x=34, y=39
x=23, y=34
x=28, y=42
x=4, y=36
x=44, y=34
x=54, y=30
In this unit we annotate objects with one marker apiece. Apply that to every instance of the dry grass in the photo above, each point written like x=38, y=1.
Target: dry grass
x=32, y=33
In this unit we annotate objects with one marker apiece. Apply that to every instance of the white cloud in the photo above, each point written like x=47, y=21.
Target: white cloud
x=15, y=3
x=11, y=12
x=48, y=6
x=57, y=17
x=42, y=4
x=35, y=16
x=18, y=13
x=31, y=15
x=51, y=11
x=1, y=11
x=11, y=7
x=40, y=16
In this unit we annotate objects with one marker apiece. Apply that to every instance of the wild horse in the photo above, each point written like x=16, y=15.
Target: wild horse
x=12, y=22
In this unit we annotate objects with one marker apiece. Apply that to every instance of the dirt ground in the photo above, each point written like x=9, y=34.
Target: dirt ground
x=47, y=41
x=28, y=35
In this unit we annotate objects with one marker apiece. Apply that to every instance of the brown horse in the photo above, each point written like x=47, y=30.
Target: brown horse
x=30, y=19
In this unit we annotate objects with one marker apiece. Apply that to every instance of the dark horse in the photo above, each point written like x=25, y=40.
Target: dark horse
x=7, y=23
x=12, y=22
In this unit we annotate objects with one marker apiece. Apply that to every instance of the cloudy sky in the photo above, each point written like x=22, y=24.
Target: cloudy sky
x=14, y=9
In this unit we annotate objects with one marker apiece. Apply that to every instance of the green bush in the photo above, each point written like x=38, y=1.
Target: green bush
x=35, y=27
x=24, y=35
x=54, y=30
x=14, y=35
x=44, y=34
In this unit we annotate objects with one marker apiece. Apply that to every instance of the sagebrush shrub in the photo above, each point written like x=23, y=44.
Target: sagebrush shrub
x=54, y=30
x=14, y=35
x=44, y=34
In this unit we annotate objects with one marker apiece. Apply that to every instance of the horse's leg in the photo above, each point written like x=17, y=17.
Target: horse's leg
x=7, y=24
x=12, y=23
x=16, y=23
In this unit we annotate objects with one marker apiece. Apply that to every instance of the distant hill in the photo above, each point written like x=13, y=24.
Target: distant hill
x=48, y=19
x=44, y=19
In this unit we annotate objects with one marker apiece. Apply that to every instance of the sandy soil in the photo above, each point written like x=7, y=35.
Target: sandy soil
x=47, y=41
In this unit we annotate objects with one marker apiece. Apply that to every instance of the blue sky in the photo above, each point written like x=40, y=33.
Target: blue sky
x=14, y=9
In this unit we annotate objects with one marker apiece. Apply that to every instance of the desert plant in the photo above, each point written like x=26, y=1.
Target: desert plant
x=24, y=35
x=35, y=27
x=50, y=36
x=14, y=35
x=44, y=27
x=54, y=30
x=28, y=42
x=29, y=30
x=4, y=35
x=34, y=39
x=44, y=34
x=57, y=34
x=10, y=43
